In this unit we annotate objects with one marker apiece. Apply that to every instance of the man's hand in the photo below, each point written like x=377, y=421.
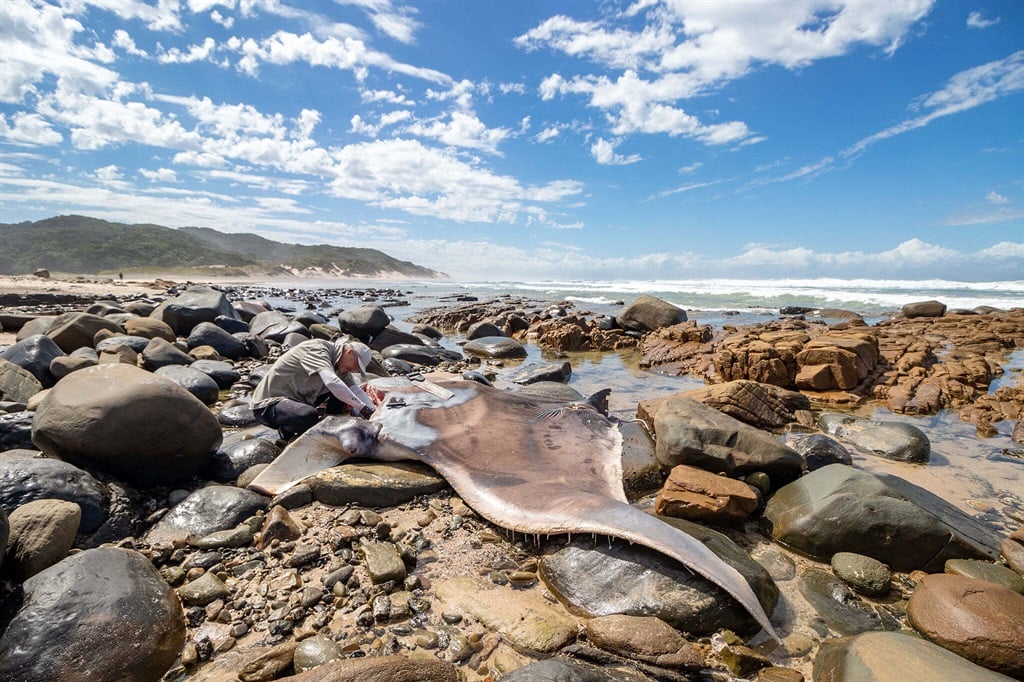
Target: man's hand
x=366, y=412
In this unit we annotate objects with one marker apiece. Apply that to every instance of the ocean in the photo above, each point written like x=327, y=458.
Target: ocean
x=984, y=476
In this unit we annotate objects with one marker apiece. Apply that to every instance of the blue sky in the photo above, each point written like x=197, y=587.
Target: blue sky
x=527, y=139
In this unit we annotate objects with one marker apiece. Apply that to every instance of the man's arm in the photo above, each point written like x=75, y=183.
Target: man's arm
x=353, y=397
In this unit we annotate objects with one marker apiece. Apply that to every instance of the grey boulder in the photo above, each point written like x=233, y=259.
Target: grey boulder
x=121, y=419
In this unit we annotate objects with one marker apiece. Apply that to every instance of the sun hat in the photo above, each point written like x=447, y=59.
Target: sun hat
x=364, y=356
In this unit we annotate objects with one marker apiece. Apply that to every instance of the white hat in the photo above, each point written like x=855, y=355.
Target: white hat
x=364, y=356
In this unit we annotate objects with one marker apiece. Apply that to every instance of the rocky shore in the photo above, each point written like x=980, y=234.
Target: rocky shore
x=135, y=550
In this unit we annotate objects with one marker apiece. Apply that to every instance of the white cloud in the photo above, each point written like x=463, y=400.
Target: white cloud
x=407, y=175
x=965, y=90
x=462, y=130
x=163, y=16
x=361, y=127
x=996, y=209
x=604, y=153
x=125, y=42
x=28, y=129
x=516, y=88
x=159, y=175
x=692, y=168
x=194, y=53
x=386, y=96
x=978, y=20
x=110, y=175
x=393, y=21
x=345, y=53
x=549, y=133
x=226, y=22
x=688, y=188
x=39, y=41
x=685, y=49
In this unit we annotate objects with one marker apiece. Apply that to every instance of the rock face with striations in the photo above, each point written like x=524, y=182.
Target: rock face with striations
x=121, y=419
x=689, y=432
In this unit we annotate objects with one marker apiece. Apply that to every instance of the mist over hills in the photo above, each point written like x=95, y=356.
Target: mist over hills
x=83, y=245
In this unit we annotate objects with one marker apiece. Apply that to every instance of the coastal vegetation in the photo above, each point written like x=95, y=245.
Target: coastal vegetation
x=83, y=245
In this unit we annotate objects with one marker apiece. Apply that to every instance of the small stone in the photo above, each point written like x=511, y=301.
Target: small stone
x=864, y=574
x=383, y=562
x=279, y=525
x=203, y=590
x=983, y=570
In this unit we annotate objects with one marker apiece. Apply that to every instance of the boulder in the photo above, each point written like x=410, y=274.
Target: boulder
x=819, y=450
x=375, y=485
x=647, y=313
x=192, y=306
x=841, y=509
x=129, y=422
x=17, y=384
x=149, y=328
x=209, y=334
x=892, y=440
x=160, y=352
x=619, y=578
x=223, y=373
x=205, y=511
x=35, y=354
x=924, y=309
x=482, y=329
x=689, y=432
x=979, y=620
x=893, y=657
x=103, y=614
x=561, y=669
x=26, y=477
x=71, y=331
x=363, y=322
x=16, y=427
x=201, y=385
x=419, y=354
x=552, y=371
x=275, y=326
x=495, y=347
x=228, y=463
x=42, y=533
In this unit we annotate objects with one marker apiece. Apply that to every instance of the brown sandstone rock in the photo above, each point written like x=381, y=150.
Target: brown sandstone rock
x=380, y=669
x=698, y=495
x=1012, y=549
x=645, y=638
x=978, y=620
x=763, y=406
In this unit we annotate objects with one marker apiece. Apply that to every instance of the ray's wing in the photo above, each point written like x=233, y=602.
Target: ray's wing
x=559, y=474
x=318, y=448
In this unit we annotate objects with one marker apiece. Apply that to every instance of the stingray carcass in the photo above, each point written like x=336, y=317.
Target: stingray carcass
x=526, y=463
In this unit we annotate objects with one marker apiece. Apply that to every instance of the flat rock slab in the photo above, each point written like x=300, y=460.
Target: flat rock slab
x=380, y=669
x=524, y=619
x=841, y=509
x=893, y=657
x=375, y=485
x=495, y=347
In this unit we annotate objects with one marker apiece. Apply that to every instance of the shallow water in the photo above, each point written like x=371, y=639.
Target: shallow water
x=982, y=476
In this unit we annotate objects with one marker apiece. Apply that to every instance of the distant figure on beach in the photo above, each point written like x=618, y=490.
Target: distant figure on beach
x=315, y=375
x=120, y=276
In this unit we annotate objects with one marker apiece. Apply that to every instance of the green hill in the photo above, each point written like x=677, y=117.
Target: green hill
x=83, y=245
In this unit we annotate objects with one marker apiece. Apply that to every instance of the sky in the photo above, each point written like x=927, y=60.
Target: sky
x=536, y=139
